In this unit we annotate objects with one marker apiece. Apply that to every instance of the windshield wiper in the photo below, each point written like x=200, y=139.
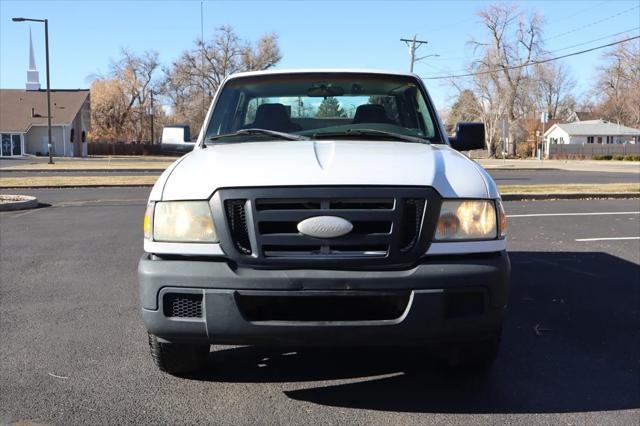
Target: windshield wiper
x=371, y=132
x=248, y=132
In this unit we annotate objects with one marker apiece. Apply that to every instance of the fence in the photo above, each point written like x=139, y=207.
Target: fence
x=119, y=148
x=591, y=149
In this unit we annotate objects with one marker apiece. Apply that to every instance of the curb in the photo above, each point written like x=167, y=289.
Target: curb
x=117, y=185
x=23, y=202
x=571, y=196
x=2, y=171
x=524, y=169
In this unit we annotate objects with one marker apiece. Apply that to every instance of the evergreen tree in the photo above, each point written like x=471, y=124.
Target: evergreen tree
x=330, y=107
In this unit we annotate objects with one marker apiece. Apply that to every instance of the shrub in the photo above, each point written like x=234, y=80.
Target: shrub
x=603, y=157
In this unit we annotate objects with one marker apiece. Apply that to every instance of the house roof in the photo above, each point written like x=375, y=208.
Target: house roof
x=16, y=104
x=595, y=128
x=585, y=116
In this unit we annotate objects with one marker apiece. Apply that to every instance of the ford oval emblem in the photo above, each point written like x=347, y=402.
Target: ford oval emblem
x=325, y=227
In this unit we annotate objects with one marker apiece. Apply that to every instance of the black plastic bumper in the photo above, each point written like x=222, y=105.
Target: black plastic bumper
x=431, y=286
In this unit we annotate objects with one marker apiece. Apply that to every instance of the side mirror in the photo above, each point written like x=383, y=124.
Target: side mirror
x=468, y=136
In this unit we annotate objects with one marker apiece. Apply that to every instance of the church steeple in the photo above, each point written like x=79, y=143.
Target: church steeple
x=33, y=78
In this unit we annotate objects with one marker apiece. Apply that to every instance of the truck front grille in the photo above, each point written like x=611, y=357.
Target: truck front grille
x=237, y=217
x=388, y=224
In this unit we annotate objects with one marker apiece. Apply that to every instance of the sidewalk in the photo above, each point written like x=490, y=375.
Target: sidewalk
x=574, y=165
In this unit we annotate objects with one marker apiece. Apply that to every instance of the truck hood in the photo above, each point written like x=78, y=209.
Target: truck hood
x=342, y=162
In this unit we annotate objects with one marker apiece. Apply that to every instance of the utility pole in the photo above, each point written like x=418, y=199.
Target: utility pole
x=204, y=110
x=153, y=141
x=414, y=45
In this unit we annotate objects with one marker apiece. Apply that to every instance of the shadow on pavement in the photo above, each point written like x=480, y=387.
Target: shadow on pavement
x=570, y=345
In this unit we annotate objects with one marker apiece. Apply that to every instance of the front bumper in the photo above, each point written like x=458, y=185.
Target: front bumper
x=430, y=287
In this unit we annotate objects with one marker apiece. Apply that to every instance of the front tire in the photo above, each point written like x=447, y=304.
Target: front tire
x=178, y=358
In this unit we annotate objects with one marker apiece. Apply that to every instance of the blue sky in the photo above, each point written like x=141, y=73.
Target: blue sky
x=84, y=36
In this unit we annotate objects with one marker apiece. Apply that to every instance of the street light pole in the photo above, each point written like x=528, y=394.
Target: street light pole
x=46, y=43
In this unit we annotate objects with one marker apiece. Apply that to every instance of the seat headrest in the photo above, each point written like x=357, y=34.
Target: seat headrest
x=371, y=113
x=271, y=115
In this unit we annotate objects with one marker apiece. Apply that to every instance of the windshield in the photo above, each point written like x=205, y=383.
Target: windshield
x=315, y=104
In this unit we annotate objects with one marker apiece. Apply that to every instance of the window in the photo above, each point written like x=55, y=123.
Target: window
x=6, y=145
x=314, y=103
x=10, y=145
x=589, y=139
x=71, y=135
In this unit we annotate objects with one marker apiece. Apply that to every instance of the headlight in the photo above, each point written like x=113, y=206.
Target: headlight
x=180, y=221
x=467, y=220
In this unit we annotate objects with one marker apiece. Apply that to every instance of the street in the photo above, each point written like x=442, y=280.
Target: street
x=74, y=347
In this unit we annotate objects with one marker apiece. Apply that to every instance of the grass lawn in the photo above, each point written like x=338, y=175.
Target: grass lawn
x=157, y=163
x=571, y=188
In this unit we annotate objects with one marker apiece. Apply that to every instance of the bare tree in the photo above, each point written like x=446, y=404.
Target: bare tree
x=617, y=92
x=513, y=38
x=552, y=89
x=192, y=80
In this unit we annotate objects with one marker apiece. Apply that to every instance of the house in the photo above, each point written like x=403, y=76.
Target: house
x=590, y=133
x=23, y=119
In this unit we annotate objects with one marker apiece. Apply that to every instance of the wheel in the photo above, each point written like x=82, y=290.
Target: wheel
x=474, y=355
x=178, y=358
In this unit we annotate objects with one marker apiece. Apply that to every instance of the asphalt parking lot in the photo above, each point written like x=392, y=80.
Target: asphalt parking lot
x=73, y=347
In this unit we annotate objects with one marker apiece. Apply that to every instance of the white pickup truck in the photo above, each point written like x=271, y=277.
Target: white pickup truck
x=325, y=207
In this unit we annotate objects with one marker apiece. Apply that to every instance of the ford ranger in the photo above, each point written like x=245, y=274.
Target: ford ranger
x=324, y=207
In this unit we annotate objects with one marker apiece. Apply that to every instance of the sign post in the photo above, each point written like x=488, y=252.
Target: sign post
x=544, y=117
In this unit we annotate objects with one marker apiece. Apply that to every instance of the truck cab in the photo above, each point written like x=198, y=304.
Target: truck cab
x=325, y=208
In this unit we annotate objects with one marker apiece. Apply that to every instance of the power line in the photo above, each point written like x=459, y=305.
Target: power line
x=578, y=12
x=533, y=62
x=589, y=25
x=449, y=58
x=594, y=40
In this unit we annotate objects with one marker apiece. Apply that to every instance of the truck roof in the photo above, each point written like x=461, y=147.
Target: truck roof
x=322, y=70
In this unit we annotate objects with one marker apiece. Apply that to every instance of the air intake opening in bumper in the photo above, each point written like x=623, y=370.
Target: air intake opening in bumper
x=322, y=307
x=178, y=305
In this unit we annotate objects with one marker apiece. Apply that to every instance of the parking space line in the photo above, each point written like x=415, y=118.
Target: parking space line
x=572, y=214
x=607, y=239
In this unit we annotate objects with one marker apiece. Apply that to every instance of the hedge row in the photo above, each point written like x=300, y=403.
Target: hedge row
x=617, y=157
